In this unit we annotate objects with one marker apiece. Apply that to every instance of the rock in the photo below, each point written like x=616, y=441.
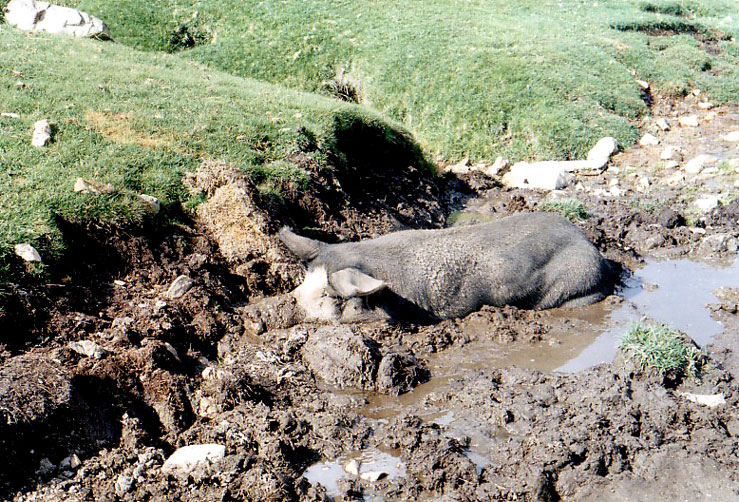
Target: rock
x=673, y=164
x=342, y=357
x=710, y=116
x=648, y=140
x=373, y=476
x=707, y=202
x=187, y=458
x=88, y=348
x=696, y=165
x=669, y=218
x=123, y=484
x=671, y=153
x=676, y=178
x=461, y=167
x=717, y=243
x=41, y=133
x=731, y=137
x=705, y=105
x=9, y=115
x=45, y=467
x=27, y=252
x=179, y=287
x=542, y=175
x=497, y=168
x=603, y=149
x=643, y=84
x=352, y=468
x=710, y=400
x=663, y=124
x=92, y=187
x=642, y=184
x=689, y=121
x=710, y=171
x=31, y=15
x=151, y=202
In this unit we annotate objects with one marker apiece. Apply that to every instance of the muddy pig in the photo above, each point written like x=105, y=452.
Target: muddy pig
x=529, y=260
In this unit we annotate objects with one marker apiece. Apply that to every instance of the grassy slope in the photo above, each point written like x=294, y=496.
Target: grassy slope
x=137, y=120
x=531, y=78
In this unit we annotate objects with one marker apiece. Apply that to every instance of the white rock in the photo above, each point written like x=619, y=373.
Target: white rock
x=614, y=182
x=709, y=170
x=710, y=116
x=31, y=15
x=643, y=84
x=9, y=115
x=643, y=184
x=603, y=149
x=123, y=484
x=696, y=165
x=672, y=164
x=151, y=202
x=179, y=287
x=648, y=140
x=352, y=468
x=187, y=458
x=497, y=168
x=27, y=252
x=705, y=105
x=461, y=167
x=88, y=348
x=671, y=153
x=373, y=476
x=663, y=124
x=710, y=400
x=82, y=185
x=41, y=133
x=616, y=191
x=542, y=175
x=689, y=121
x=707, y=202
x=731, y=137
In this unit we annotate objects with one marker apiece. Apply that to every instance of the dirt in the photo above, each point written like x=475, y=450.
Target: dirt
x=465, y=409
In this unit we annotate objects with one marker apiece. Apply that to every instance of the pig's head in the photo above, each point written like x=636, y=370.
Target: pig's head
x=329, y=292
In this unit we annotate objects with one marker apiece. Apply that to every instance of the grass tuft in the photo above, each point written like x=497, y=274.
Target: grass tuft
x=572, y=209
x=662, y=349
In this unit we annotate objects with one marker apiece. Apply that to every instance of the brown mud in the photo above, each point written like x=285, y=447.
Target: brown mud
x=480, y=408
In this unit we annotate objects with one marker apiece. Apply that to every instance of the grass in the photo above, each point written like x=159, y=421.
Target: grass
x=572, y=209
x=140, y=120
x=662, y=349
x=477, y=78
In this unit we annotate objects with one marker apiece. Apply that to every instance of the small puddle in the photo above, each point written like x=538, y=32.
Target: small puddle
x=329, y=473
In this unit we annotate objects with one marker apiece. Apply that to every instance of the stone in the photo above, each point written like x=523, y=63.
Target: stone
x=123, y=484
x=643, y=84
x=31, y=15
x=663, y=124
x=9, y=115
x=187, y=458
x=461, y=167
x=27, y=252
x=697, y=164
x=705, y=105
x=82, y=185
x=373, y=476
x=669, y=218
x=542, y=175
x=649, y=140
x=707, y=202
x=352, y=468
x=709, y=171
x=689, y=121
x=88, y=348
x=603, y=149
x=179, y=287
x=643, y=184
x=152, y=203
x=710, y=116
x=732, y=137
x=710, y=400
x=45, y=467
x=717, y=243
x=41, y=133
x=497, y=168
x=673, y=164
x=671, y=153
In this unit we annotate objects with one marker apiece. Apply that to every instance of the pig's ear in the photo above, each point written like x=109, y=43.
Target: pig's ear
x=304, y=248
x=350, y=282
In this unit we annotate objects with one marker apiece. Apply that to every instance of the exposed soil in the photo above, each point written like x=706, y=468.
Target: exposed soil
x=169, y=371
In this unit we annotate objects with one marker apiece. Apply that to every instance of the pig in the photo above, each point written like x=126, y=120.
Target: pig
x=528, y=260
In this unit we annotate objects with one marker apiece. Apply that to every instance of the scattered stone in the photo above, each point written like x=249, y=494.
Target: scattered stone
x=497, y=168
x=41, y=133
x=717, y=243
x=710, y=400
x=731, y=137
x=697, y=164
x=671, y=153
x=643, y=84
x=695, y=92
x=710, y=171
x=673, y=164
x=373, y=476
x=649, y=140
x=27, y=252
x=123, y=485
x=9, y=115
x=542, y=175
x=92, y=187
x=705, y=105
x=88, y=348
x=643, y=184
x=187, y=458
x=461, y=167
x=689, y=121
x=707, y=202
x=616, y=191
x=31, y=15
x=663, y=124
x=151, y=202
x=603, y=149
x=45, y=467
x=352, y=468
x=669, y=218
x=710, y=116
x=179, y=287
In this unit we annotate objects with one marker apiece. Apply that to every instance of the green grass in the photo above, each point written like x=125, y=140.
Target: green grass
x=572, y=209
x=478, y=78
x=661, y=349
x=140, y=120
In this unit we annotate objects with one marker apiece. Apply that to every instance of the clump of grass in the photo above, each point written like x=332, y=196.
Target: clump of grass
x=572, y=209
x=662, y=349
